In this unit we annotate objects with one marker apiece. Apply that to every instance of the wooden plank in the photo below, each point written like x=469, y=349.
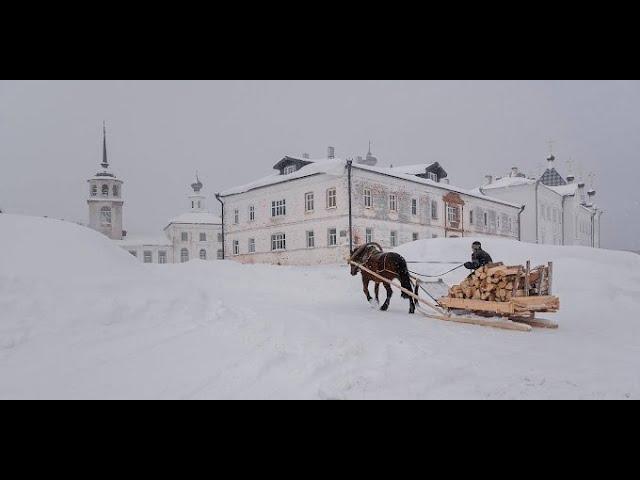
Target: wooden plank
x=526, y=278
x=549, y=291
x=535, y=322
x=485, y=322
x=504, y=308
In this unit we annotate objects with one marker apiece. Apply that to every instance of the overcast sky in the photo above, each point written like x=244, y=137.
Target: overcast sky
x=233, y=132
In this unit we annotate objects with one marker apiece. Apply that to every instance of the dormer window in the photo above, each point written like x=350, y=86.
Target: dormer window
x=432, y=176
x=289, y=169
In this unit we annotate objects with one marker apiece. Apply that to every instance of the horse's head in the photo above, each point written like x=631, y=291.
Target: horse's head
x=360, y=255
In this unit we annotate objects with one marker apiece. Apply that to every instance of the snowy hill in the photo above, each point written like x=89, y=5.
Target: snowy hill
x=80, y=318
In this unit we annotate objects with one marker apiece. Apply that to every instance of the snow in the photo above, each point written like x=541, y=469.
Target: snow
x=197, y=218
x=143, y=240
x=508, y=182
x=566, y=190
x=81, y=318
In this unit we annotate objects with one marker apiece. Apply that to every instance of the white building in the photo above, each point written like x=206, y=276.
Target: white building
x=196, y=234
x=301, y=214
x=557, y=211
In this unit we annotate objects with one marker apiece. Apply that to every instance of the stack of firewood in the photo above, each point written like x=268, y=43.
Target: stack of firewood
x=496, y=282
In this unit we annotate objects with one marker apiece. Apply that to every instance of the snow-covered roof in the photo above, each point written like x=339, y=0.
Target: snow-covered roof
x=200, y=218
x=508, y=182
x=412, y=169
x=566, y=190
x=143, y=240
x=333, y=166
x=336, y=166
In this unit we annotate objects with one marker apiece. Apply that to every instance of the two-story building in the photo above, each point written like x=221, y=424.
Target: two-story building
x=302, y=213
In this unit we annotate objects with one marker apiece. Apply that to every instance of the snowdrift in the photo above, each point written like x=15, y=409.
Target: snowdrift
x=80, y=318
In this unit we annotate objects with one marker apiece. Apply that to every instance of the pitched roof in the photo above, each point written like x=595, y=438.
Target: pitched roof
x=552, y=178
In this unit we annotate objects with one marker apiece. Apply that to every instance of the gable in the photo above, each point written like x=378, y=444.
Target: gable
x=551, y=178
x=288, y=162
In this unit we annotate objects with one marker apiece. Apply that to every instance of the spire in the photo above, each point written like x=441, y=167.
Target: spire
x=105, y=163
x=369, y=153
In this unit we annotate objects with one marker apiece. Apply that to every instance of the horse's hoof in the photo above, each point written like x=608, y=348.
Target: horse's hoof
x=373, y=303
x=384, y=308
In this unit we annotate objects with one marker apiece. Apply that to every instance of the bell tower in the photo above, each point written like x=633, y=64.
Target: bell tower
x=105, y=198
x=197, y=199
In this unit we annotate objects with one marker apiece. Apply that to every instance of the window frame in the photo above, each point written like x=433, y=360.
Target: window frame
x=309, y=201
x=310, y=239
x=235, y=247
x=184, y=236
x=252, y=213
x=368, y=198
x=278, y=242
x=393, y=238
x=106, y=217
x=393, y=203
x=278, y=208
x=434, y=210
x=414, y=207
x=202, y=250
x=162, y=257
x=332, y=194
x=251, y=247
x=368, y=235
x=236, y=216
x=432, y=176
x=184, y=253
x=331, y=236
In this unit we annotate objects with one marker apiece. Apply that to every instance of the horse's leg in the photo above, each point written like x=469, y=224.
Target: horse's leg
x=385, y=305
x=365, y=288
x=412, y=305
x=377, y=289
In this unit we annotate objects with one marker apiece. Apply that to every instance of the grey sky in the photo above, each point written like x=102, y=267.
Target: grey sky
x=159, y=133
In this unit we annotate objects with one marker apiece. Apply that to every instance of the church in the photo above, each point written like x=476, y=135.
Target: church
x=197, y=233
x=558, y=210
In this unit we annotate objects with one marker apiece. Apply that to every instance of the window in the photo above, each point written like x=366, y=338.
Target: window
x=308, y=202
x=498, y=221
x=393, y=239
x=236, y=247
x=278, y=242
x=220, y=238
x=471, y=217
x=94, y=190
x=105, y=190
x=203, y=254
x=452, y=214
x=434, y=209
x=203, y=237
x=199, y=204
x=220, y=255
x=368, y=201
x=116, y=191
x=414, y=206
x=252, y=245
x=236, y=216
x=311, y=239
x=289, y=169
x=162, y=257
x=415, y=236
x=147, y=256
x=105, y=216
x=393, y=203
x=332, y=240
x=509, y=224
x=486, y=219
x=432, y=176
x=184, y=236
x=193, y=204
x=278, y=208
x=368, y=235
x=133, y=252
x=434, y=235
x=331, y=198
x=252, y=213
x=184, y=255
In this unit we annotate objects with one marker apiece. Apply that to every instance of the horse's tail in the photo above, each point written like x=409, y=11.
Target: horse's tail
x=405, y=279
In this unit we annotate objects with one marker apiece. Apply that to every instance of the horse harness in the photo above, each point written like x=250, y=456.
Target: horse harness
x=377, y=257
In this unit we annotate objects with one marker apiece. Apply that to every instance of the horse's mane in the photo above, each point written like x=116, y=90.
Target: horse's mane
x=356, y=254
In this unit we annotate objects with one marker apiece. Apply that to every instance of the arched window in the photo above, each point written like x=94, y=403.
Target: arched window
x=105, y=190
x=184, y=255
x=105, y=216
x=94, y=190
x=203, y=254
x=116, y=191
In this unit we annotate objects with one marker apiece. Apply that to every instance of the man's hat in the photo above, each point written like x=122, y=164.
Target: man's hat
x=477, y=243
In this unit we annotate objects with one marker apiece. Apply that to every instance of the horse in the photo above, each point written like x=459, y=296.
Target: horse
x=389, y=265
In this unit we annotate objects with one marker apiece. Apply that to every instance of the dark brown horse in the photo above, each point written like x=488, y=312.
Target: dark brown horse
x=389, y=265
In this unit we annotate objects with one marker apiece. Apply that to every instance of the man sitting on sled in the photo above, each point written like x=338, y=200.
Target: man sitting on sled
x=479, y=258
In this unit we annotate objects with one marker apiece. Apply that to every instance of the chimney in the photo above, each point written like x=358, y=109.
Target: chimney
x=571, y=178
x=446, y=180
x=305, y=155
x=583, y=200
x=514, y=171
x=331, y=152
x=550, y=160
x=489, y=179
x=591, y=193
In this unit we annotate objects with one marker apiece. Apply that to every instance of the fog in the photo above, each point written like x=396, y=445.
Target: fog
x=232, y=132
